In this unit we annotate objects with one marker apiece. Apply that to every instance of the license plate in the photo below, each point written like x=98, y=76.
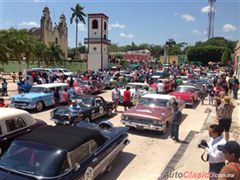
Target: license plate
x=139, y=127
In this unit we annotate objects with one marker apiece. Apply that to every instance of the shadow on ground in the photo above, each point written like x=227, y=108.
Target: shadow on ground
x=121, y=163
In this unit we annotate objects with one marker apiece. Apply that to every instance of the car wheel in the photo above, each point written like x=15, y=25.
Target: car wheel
x=39, y=106
x=87, y=119
x=89, y=174
x=109, y=112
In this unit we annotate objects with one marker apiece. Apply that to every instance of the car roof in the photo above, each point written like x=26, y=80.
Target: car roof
x=187, y=86
x=51, y=85
x=7, y=113
x=158, y=96
x=137, y=83
x=64, y=137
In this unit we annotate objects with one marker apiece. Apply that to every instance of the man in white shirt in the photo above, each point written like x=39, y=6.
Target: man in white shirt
x=116, y=97
x=216, y=157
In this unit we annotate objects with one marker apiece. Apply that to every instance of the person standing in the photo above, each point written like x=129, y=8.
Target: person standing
x=231, y=151
x=116, y=97
x=235, y=87
x=216, y=157
x=224, y=114
x=56, y=96
x=4, y=87
x=175, y=121
x=65, y=95
x=136, y=96
x=127, y=98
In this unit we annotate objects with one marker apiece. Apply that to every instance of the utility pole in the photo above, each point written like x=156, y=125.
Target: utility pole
x=211, y=16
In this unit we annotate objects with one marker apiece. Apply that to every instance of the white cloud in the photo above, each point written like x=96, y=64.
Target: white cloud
x=124, y=35
x=116, y=26
x=206, y=9
x=29, y=24
x=229, y=28
x=196, y=32
x=188, y=17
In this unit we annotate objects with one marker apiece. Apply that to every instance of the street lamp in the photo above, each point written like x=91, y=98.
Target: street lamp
x=132, y=48
x=170, y=43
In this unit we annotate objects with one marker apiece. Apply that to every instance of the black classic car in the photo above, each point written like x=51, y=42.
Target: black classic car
x=86, y=108
x=14, y=123
x=63, y=152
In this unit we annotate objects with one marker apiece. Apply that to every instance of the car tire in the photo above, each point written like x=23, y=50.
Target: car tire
x=109, y=112
x=39, y=106
x=87, y=119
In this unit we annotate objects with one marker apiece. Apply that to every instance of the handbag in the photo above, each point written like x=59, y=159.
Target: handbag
x=204, y=159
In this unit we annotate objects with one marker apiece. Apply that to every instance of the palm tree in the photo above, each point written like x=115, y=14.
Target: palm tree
x=77, y=15
x=55, y=52
x=4, y=50
x=40, y=52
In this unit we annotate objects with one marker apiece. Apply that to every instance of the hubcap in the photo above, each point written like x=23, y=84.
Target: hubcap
x=87, y=120
x=39, y=106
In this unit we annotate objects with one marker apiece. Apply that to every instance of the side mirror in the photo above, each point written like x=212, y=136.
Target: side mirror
x=77, y=167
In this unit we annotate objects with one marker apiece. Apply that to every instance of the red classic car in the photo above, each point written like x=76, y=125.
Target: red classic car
x=153, y=113
x=186, y=93
x=89, y=87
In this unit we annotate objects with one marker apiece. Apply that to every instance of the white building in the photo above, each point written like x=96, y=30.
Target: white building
x=97, y=41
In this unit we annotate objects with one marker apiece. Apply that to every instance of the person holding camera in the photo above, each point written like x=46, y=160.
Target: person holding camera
x=216, y=157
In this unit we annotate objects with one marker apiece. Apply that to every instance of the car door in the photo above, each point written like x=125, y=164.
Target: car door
x=48, y=96
x=14, y=127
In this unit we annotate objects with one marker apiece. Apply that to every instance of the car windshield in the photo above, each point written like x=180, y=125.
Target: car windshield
x=185, y=89
x=154, y=102
x=39, y=90
x=86, y=101
x=34, y=159
x=65, y=70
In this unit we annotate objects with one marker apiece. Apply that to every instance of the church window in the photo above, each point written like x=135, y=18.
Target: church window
x=56, y=40
x=105, y=25
x=95, y=24
x=105, y=36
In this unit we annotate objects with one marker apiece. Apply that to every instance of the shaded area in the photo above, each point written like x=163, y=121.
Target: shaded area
x=123, y=160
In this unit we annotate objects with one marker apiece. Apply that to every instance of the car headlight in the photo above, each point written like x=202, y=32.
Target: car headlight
x=124, y=117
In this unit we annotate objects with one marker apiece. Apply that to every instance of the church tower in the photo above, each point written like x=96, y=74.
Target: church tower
x=97, y=41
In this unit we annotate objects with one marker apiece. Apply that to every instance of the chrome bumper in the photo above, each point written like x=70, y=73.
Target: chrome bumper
x=144, y=126
x=60, y=122
x=22, y=106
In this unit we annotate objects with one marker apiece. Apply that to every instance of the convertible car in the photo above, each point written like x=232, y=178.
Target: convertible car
x=153, y=113
x=186, y=93
x=63, y=152
x=87, y=108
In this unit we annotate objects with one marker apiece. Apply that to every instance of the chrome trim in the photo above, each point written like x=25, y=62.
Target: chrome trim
x=144, y=126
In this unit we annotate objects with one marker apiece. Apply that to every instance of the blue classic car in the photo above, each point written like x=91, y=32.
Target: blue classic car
x=39, y=97
x=64, y=152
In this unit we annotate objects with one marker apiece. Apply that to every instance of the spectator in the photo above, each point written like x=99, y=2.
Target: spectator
x=2, y=103
x=4, y=87
x=224, y=113
x=71, y=82
x=127, y=98
x=235, y=87
x=175, y=122
x=211, y=95
x=136, y=96
x=56, y=96
x=145, y=90
x=74, y=110
x=116, y=97
x=216, y=157
x=66, y=100
x=14, y=77
x=202, y=94
x=231, y=151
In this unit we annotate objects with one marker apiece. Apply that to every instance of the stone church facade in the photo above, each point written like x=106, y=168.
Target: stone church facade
x=48, y=32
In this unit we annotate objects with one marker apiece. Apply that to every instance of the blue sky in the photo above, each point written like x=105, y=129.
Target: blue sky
x=138, y=21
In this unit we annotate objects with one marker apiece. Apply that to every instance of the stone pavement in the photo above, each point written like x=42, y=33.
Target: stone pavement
x=191, y=162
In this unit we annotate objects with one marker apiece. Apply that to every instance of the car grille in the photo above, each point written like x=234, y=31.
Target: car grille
x=21, y=103
x=61, y=118
x=139, y=120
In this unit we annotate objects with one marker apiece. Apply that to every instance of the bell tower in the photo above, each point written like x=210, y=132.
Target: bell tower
x=97, y=41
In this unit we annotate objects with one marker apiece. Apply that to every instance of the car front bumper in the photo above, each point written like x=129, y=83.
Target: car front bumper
x=144, y=126
x=23, y=105
x=60, y=122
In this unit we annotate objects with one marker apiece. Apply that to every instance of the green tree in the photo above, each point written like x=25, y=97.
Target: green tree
x=55, y=54
x=40, y=52
x=225, y=57
x=77, y=15
x=4, y=50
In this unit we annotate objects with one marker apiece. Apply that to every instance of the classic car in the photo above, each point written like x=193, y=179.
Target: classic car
x=164, y=85
x=89, y=108
x=186, y=93
x=197, y=83
x=39, y=97
x=140, y=86
x=14, y=123
x=89, y=87
x=160, y=74
x=153, y=113
x=60, y=152
x=107, y=80
x=65, y=72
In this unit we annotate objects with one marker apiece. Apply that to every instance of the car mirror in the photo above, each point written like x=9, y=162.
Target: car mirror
x=77, y=166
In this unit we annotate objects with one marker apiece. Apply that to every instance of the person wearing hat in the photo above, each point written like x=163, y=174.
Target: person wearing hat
x=231, y=151
x=224, y=114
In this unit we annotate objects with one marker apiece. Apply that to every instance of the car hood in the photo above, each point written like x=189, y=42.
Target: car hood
x=147, y=111
x=65, y=110
x=27, y=96
x=182, y=95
